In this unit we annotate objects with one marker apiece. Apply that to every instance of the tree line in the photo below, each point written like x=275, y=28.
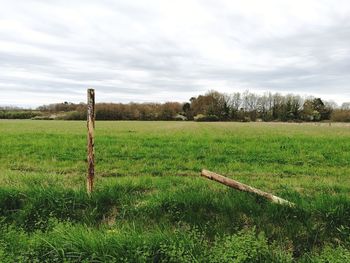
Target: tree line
x=212, y=106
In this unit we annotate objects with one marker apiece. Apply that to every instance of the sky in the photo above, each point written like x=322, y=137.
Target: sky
x=164, y=50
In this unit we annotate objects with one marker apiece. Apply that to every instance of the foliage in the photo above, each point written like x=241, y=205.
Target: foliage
x=18, y=114
x=74, y=115
x=315, y=110
x=201, y=117
x=341, y=115
x=212, y=106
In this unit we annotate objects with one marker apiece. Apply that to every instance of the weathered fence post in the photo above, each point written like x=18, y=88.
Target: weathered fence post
x=90, y=138
x=244, y=188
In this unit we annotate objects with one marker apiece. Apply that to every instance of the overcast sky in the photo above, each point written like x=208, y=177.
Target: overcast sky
x=166, y=50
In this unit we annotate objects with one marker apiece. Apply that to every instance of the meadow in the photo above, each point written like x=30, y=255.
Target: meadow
x=150, y=203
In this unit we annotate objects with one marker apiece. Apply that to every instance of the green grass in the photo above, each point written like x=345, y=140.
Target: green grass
x=151, y=205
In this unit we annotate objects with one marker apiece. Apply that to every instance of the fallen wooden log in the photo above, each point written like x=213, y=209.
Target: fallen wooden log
x=245, y=188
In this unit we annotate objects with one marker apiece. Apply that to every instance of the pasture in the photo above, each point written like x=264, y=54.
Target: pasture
x=151, y=205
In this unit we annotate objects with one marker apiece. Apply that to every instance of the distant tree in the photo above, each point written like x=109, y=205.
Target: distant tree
x=278, y=107
x=213, y=103
x=340, y=115
x=264, y=105
x=308, y=112
x=320, y=107
x=292, y=107
x=250, y=104
x=187, y=111
x=316, y=110
x=235, y=102
x=345, y=106
x=169, y=110
x=211, y=106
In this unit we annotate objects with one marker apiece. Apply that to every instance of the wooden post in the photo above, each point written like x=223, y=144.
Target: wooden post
x=245, y=188
x=90, y=140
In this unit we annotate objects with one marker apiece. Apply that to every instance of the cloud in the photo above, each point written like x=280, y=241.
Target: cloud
x=157, y=50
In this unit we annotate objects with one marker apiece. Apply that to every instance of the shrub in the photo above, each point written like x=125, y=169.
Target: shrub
x=202, y=117
x=75, y=115
x=18, y=114
x=246, y=119
x=340, y=116
x=45, y=117
x=180, y=117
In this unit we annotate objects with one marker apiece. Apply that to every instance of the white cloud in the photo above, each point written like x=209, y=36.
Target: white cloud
x=162, y=50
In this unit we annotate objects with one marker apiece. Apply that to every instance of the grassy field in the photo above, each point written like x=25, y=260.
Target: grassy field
x=151, y=205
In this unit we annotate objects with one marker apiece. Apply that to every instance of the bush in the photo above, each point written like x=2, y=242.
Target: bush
x=75, y=115
x=341, y=116
x=18, y=114
x=180, y=117
x=202, y=117
x=45, y=117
